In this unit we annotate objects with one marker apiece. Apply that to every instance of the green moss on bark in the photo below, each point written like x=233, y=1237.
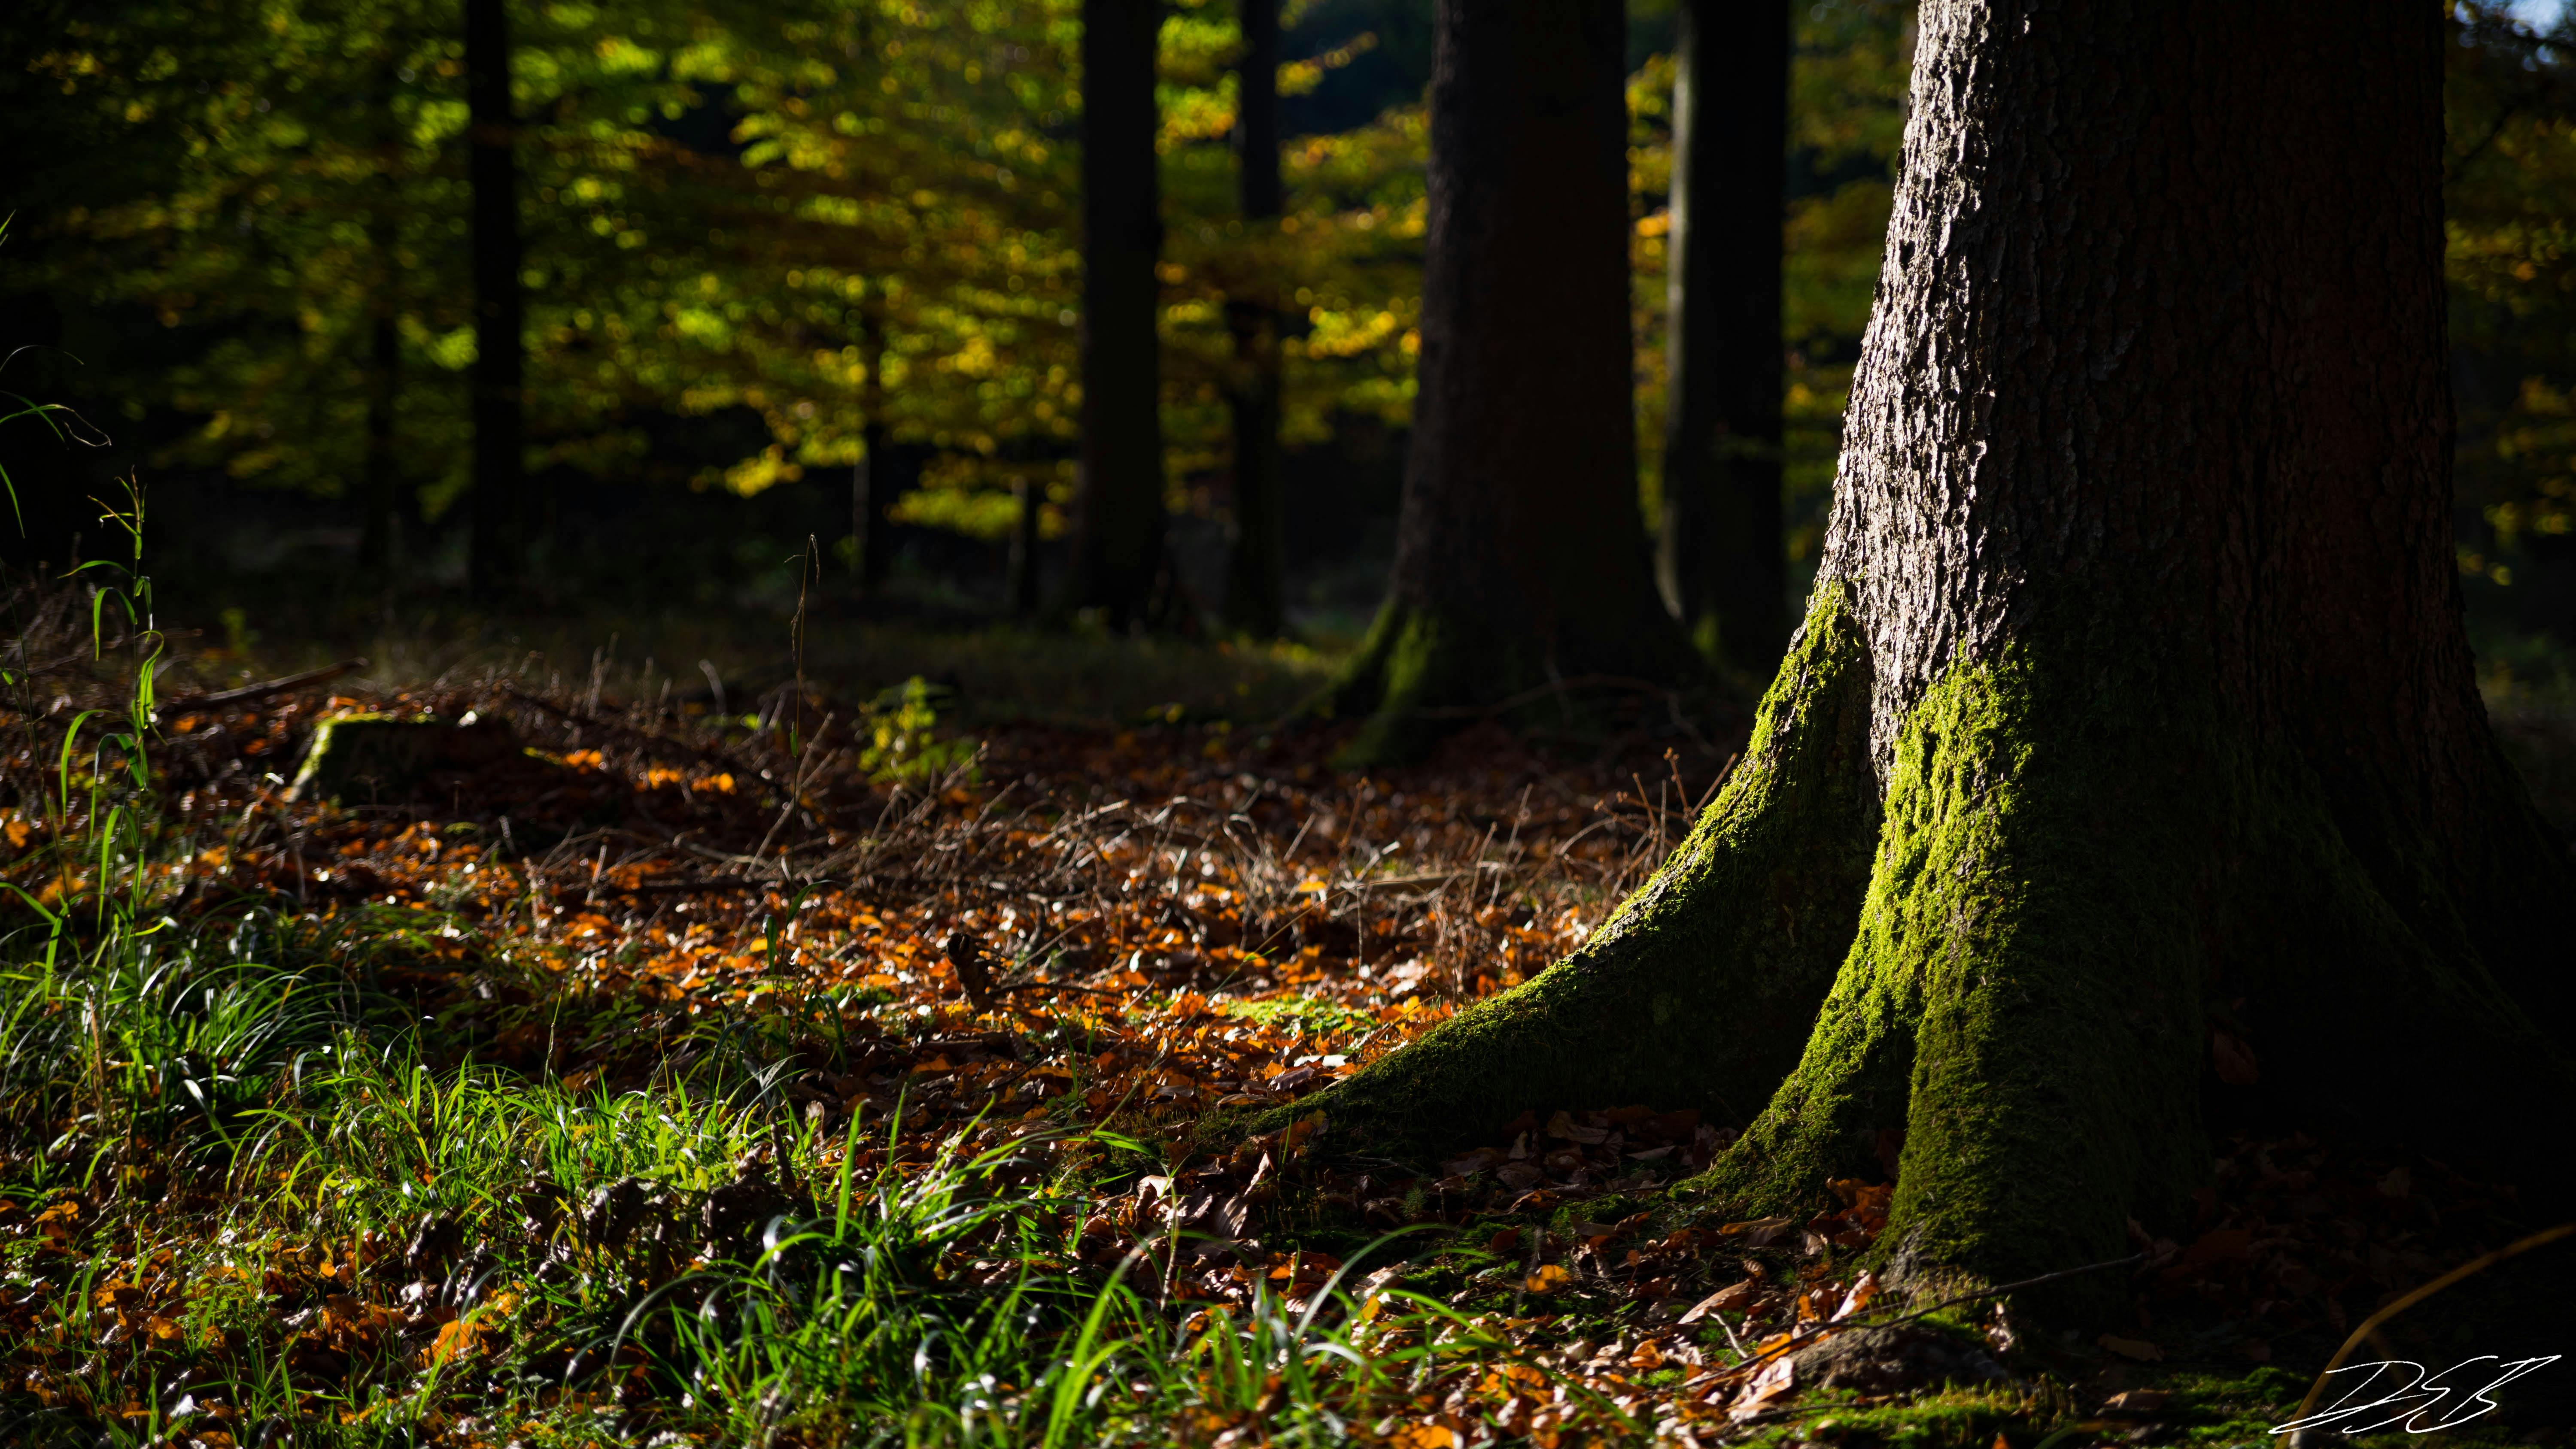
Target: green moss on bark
x=1701, y=986
x=2023, y=993
x=2077, y=863
x=1410, y=661
x=2084, y=863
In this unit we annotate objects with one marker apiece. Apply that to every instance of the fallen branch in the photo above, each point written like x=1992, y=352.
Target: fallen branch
x=262, y=691
x=699, y=885
x=584, y=717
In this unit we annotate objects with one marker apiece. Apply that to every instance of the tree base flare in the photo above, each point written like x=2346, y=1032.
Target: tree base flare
x=1420, y=675
x=2085, y=915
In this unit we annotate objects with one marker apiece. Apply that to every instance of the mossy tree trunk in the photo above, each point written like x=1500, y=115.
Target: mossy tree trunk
x=1118, y=514
x=1520, y=559
x=1723, y=562
x=2134, y=704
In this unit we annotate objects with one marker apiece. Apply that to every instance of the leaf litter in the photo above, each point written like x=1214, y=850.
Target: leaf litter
x=1048, y=955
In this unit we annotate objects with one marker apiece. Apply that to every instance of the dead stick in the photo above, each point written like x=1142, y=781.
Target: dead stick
x=712, y=757
x=263, y=691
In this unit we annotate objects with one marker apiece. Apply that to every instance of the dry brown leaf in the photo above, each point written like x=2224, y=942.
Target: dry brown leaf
x=1724, y=1300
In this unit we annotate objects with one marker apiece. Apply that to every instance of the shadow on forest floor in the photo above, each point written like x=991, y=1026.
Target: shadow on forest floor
x=694, y=1074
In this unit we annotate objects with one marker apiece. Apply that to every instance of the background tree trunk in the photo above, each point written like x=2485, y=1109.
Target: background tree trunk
x=1118, y=526
x=2140, y=574
x=494, y=508
x=1028, y=498
x=1723, y=563
x=1257, y=581
x=872, y=480
x=1520, y=560
x=380, y=482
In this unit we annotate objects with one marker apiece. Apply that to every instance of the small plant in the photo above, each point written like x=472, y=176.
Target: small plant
x=904, y=748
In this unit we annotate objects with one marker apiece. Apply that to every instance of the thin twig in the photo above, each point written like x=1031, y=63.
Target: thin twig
x=2371, y=1324
x=262, y=691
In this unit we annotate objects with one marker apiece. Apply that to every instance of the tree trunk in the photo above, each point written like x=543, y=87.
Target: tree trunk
x=1118, y=527
x=499, y=346
x=872, y=480
x=1257, y=580
x=1520, y=560
x=1028, y=498
x=1724, y=567
x=2134, y=705
x=380, y=481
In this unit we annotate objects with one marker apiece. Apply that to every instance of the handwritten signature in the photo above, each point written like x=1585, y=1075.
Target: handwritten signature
x=2414, y=1400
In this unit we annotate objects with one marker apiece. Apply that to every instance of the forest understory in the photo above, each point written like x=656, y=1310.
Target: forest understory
x=811, y=1073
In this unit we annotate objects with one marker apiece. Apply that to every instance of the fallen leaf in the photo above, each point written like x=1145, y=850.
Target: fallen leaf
x=2138, y=1349
x=1549, y=1278
x=1724, y=1300
x=1769, y=1386
x=456, y=1339
x=2233, y=1059
x=1859, y=1297
x=2138, y=1401
x=1563, y=1125
x=1760, y=1232
x=2218, y=1245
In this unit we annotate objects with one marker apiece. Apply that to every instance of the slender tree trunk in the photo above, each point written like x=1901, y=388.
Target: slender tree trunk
x=871, y=479
x=1520, y=561
x=383, y=470
x=499, y=410
x=1723, y=564
x=1029, y=496
x=2134, y=708
x=381, y=473
x=1118, y=526
x=1256, y=583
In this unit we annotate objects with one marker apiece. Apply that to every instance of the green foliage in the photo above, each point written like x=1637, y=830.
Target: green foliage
x=830, y=214
x=904, y=747
x=2511, y=96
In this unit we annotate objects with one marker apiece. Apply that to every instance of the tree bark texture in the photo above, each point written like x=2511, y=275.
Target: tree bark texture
x=1722, y=560
x=2134, y=706
x=499, y=388
x=1118, y=527
x=1520, y=560
x=1257, y=576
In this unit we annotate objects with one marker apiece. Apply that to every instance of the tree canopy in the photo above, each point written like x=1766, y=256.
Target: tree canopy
x=714, y=191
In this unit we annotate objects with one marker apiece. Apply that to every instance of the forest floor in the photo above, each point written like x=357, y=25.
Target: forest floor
x=808, y=1060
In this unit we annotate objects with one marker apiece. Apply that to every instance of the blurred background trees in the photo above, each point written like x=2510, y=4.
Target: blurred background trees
x=809, y=269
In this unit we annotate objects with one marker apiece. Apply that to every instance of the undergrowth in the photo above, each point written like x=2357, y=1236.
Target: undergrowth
x=789, y=1071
